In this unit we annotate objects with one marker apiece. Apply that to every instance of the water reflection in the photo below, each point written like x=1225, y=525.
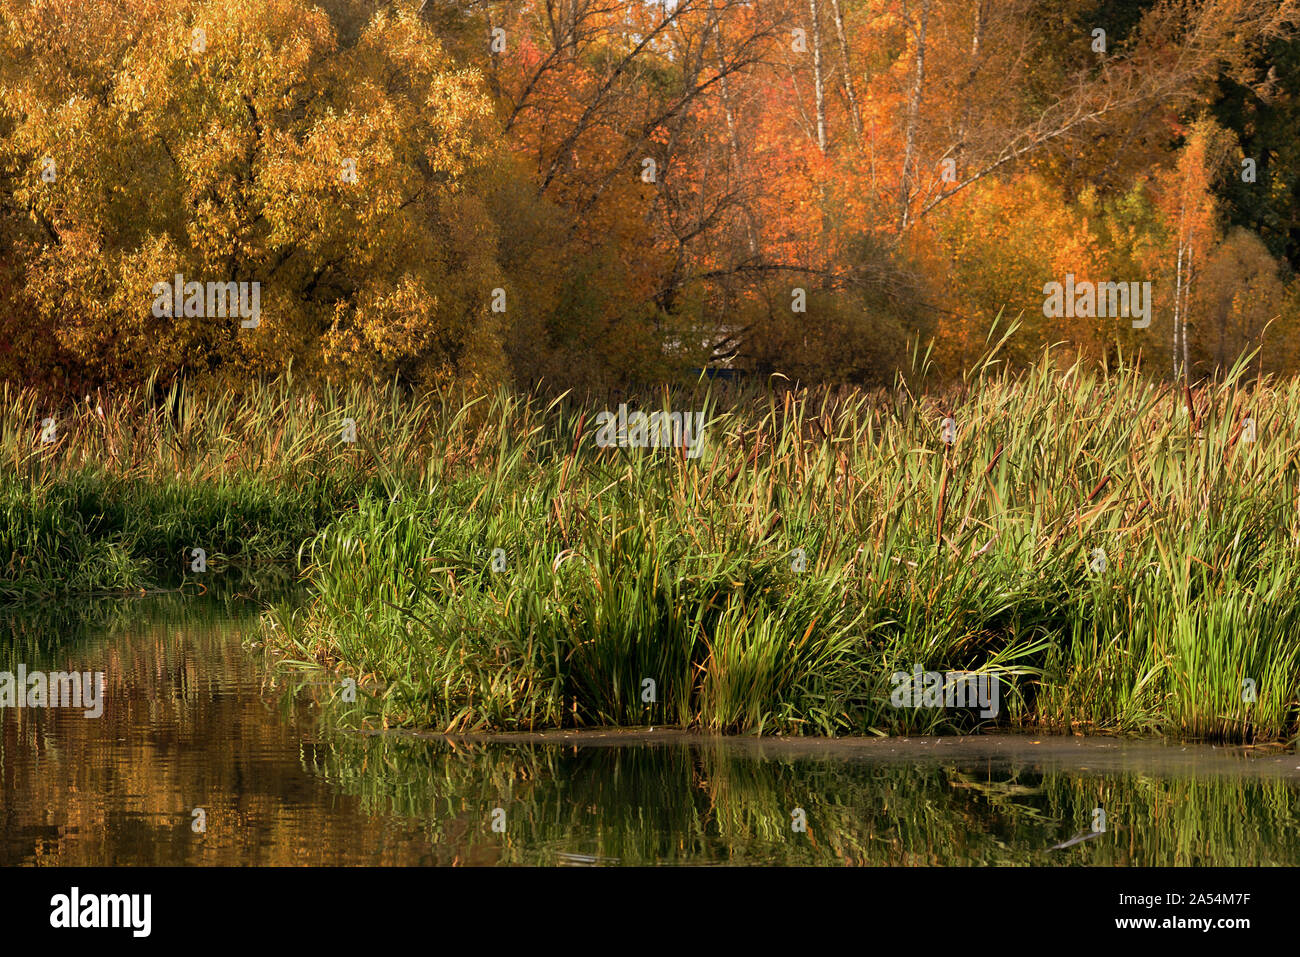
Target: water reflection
x=191, y=721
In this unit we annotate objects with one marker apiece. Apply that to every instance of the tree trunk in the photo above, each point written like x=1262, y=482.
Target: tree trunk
x=733, y=146
x=976, y=42
x=819, y=83
x=1187, y=297
x=850, y=92
x=1178, y=301
x=913, y=114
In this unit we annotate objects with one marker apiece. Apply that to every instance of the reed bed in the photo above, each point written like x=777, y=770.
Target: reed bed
x=981, y=556
x=127, y=487
x=625, y=566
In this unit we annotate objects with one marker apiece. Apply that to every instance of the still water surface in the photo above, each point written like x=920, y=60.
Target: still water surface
x=192, y=720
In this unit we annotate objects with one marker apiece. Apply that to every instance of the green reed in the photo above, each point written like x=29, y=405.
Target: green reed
x=981, y=555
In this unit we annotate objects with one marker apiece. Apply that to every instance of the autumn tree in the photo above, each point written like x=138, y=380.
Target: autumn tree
x=240, y=142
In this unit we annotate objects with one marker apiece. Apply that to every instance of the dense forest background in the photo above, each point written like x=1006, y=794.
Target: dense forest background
x=596, y=193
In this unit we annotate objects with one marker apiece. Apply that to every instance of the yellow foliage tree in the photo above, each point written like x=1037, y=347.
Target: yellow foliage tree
x=239, y=141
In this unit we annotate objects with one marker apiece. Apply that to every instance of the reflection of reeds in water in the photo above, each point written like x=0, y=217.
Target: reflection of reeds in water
x=707, y=803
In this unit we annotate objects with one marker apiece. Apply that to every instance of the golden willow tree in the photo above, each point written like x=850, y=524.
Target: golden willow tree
x=239, y=141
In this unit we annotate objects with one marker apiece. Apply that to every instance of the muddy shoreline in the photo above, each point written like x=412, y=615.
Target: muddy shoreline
x=1099, y=754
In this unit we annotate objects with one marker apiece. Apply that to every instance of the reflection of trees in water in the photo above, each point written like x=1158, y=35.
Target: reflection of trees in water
x=676, y=802
x=183, y=727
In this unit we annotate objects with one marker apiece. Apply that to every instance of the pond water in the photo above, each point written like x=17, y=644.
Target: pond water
x=192, y=720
